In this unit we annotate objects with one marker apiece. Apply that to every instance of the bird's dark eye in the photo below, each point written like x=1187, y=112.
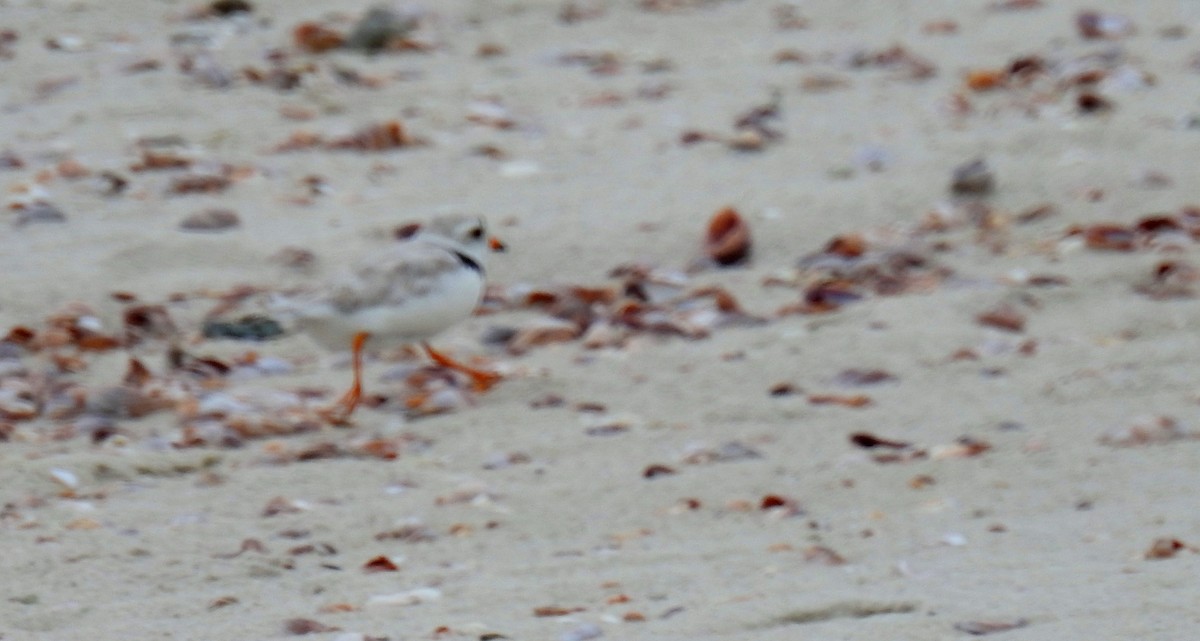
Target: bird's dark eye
x=476, y=233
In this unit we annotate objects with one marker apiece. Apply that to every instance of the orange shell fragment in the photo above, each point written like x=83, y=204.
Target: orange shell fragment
x=728, y=240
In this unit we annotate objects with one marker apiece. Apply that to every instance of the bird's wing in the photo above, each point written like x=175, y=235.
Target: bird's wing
x=394, y=276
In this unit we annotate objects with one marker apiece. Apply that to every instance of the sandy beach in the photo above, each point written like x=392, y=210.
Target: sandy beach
x=936, y=400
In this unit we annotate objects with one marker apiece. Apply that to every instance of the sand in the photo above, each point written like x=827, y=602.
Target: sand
x=503, y=507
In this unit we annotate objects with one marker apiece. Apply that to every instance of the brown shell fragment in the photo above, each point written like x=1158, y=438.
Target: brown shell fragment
x=1004, y=318
x=656, y=470
x=160, y=160
x=405, y=231
x=18, y=400
x=380, y=563
x=21, y=335
x=280, y=505
x=728, y=238
x=199, y=184
x=1148, y=430
x=72, y=169
x=221, y=602
x=314, y=37
x=826, y=296
x=543, y=332
x=1036, y=213
x=1155, y=224
x=1090, y=102
x=298, y=141
x=1170, y=279
x=783, y=388
x=964, y=447
x=144, y=322
x=779, y=502
x=986, y=79
x=592, y=295
x=378, y=137
x=96, y=342
x=230, y=7
x=691, y=137
x=307, y=626
x=747, y=140
x=940, y=27
x=555, y=611
x=1110, y=237
x=414, y=533
x=137, y=374
x=921, y=481
x=847, y=246
x=868, y=440
x=821, y=555
x=1166, y=548
x=248, y=545
x=854, y=401
x=855, y=377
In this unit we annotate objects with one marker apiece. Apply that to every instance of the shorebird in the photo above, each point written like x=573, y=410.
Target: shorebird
x=405, y=294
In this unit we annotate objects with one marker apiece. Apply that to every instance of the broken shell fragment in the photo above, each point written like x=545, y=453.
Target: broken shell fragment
x=314, y=37
x=377, y=137
x=416, y=596
x=847, y=246
x=822, y=555
x=18, y=400
x=1166, y=548
x=66, y=478
x=728, y=239
x=543, y=332
x=1110, y=237
x=1003, y=317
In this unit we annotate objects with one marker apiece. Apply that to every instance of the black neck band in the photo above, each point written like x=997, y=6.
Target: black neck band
x=469, y=262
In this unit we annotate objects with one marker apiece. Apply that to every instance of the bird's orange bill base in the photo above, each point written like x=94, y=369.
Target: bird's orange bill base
x=496, y=245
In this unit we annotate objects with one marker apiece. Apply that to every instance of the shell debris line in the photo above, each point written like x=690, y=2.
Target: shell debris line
x=202, y=392
x=646, y=299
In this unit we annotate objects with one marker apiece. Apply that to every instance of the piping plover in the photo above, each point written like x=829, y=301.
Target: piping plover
x=407, y=293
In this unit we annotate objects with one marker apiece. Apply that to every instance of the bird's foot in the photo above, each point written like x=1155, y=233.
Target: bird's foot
x=335, y=415
x=482, y=380
x=340, y=412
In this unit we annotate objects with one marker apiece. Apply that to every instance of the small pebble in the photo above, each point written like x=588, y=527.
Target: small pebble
x=973, y=179
x=211, y=220
x=253, y=327
x=38, y=212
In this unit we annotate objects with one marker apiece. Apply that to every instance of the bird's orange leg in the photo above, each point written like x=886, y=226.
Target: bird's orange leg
x=339, y=413
x=481, y=380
